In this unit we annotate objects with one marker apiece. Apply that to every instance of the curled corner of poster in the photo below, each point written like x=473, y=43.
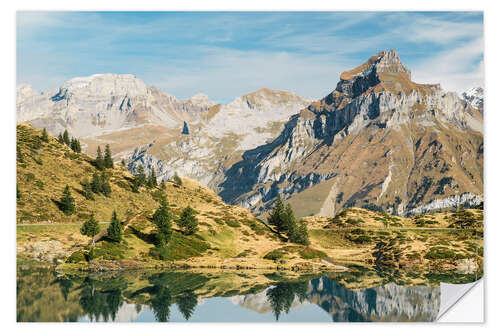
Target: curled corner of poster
x=462, y=303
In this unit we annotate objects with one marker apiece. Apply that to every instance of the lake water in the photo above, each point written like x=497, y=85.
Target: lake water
x=357, y=295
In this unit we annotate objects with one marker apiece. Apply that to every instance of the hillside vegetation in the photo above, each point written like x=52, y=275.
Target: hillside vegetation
x=227, y=236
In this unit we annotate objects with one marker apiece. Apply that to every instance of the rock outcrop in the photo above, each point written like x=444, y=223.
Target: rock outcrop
x=390, y=143
x=219, y=141
x=378, y=141
x=103, y=103
x=390, y=302
x=475, y=96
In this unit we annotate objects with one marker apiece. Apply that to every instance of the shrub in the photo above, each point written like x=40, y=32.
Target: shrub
x=362, y=239
x=440, y=252
x=308, y=253
x=274, y=255
x=159, y=253
x=76, y=257
x=233, y=223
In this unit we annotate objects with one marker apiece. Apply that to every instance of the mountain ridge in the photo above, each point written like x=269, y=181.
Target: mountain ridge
x=271, y=141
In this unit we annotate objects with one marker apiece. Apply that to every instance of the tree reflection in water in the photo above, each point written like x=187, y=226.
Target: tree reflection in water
x=282, y=295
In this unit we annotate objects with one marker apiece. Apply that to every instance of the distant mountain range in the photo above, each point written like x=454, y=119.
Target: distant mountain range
x=379, y=140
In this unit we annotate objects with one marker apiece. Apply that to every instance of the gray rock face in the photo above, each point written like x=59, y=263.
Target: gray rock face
x=247, y=122
x=475, y=96
x=465, y=199
x=387, y=303
x=103, y=103
x=366, y=99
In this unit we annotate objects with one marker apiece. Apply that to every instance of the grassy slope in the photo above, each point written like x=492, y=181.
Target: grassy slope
x=353, y=235
x=228, y=236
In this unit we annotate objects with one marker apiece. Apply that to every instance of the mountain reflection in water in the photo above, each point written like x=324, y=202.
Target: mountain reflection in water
x=44, y=295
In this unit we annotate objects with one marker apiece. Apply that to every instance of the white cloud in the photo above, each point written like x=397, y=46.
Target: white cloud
x=457, y=69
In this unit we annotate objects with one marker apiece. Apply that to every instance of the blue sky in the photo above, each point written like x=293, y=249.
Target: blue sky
x=225, y=55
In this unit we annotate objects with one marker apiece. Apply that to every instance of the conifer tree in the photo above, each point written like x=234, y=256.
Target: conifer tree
x=90, y=228
x=45, y=136
x=276, y=218
x=67, y=202
x=87, y=189
x=140, y=176
x=162, y=185
x=152, y=182
x=288, y=221
x=188, y=221
x=299, y=234
x=153, y=179
x=123, y=163
x=105, y=187
x=72, y=144
x=78, y=146
x=96, y=184
x=108, y=159
x=99, y=160
x=60, y=138
x=177, y=179
x=162, y=219
x=66, y=137
x=115, y=229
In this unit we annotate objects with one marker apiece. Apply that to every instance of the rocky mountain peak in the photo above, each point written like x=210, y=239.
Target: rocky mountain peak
x=103, y=85
x=267, y=98
x=389, y=62
x=199, y=99
x=475, y=97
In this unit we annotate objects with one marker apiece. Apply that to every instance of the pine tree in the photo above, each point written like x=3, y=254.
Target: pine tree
x=105, y=187
x=177, y=179
x=188, y=221
x=277, y=215
x=152, y=182
x=123, y=163
x=115, y=229
x=288, y=221
x=60, y=138
x=299, y=234
x=108, y=159
x=45, y=136
x=96, y=184
x=66, y=138
x=67, y=202
x=78, y=146
x=72, y=144
x=152, y=177
x=162, y=219
x=87, y=189
x=90, y=228
x=163, y=187
x=99, y=160
x=140, y=176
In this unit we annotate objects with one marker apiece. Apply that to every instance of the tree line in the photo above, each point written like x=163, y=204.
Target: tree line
x=73, y=143
x=283, y=219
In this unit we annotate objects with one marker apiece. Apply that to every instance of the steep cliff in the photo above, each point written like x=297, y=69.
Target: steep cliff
x=379, y=139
